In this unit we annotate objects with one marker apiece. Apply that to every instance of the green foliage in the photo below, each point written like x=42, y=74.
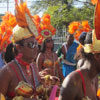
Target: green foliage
x=64, y=11
x=58, y=14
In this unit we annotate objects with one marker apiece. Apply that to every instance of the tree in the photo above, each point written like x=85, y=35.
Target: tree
x=65, y=11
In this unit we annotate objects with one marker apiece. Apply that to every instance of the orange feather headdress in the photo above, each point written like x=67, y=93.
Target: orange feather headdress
x=25, y=24
x=45, y=29
x=21, y=25
x=94, y=47
x=6, y=26
x=77, y=28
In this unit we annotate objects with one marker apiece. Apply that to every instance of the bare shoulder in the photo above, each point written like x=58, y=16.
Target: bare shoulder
x=5, y=78
x=70, y=87
x=5, y=71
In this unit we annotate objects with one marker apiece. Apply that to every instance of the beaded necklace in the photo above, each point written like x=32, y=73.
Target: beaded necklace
x=35, y=81
x=27, y=65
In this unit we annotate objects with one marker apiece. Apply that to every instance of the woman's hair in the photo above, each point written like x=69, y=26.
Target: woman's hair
x=43, y=46
x=11, y=51
x=9, y=55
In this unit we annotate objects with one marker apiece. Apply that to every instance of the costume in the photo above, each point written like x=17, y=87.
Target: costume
x=46, y=30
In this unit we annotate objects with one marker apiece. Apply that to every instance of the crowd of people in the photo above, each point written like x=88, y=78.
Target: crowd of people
x=30, y=69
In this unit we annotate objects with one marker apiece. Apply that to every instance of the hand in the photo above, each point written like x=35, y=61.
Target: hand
x=44, y=72
x=55, y=80
x=60, y=58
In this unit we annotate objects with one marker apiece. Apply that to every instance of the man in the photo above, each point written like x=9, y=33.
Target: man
x=68, y=50
x=77, y=85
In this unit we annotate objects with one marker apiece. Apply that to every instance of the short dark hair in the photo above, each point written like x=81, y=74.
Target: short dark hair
x=86, y=39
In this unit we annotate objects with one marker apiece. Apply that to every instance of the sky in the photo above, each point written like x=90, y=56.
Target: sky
x=10, y=7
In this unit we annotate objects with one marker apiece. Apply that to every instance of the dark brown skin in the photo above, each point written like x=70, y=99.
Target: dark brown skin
x=49, y=54
x=69, y=41
x=8, y=78
x=72, y=85
x=94, y=81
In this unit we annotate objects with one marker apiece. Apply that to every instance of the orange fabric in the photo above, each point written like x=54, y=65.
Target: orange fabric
x=97, y=20
x=49, y=63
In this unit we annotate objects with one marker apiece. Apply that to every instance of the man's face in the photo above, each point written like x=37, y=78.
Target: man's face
x=70, y=39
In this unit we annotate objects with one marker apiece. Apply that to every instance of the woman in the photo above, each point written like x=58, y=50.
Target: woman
x=28, y=48
x=20, y=76
x=16, y=70
x=47, y=58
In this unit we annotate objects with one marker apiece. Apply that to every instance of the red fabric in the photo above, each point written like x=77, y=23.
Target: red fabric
x=11, y=94
x=22, y=62
x=83, y=82
x=56, y=98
